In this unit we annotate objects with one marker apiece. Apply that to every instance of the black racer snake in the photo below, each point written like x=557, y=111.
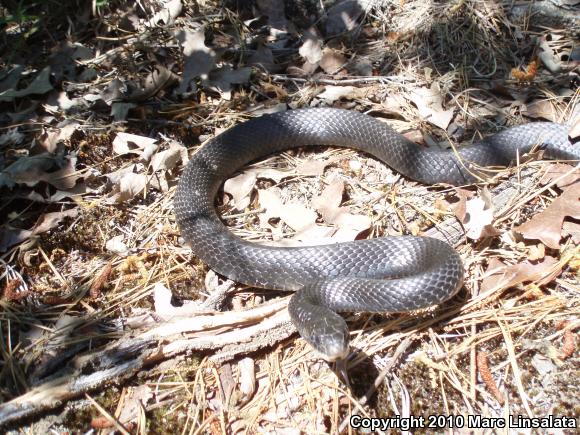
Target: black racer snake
x=387, y=274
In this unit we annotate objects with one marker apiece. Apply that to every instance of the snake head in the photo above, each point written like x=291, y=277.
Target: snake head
x=329, y=336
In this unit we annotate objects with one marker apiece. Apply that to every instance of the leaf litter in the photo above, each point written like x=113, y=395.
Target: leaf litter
x=93, y=138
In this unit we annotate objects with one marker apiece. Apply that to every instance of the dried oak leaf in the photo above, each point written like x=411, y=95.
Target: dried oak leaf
x=572, y=229
x=167, y=159
x=564, y=175
x=328, y=204
x=479, y=217
x=48, y=221
x=128, y=143
x=264, y=58
x=30, y=170
x=332, y=61
x=240, y=187
x=460, y=207
x=39, y=85
x=276, y=12
x=499, y=275
x=126, y=183
x=199, y=59
x=541, y=109
x=311, y=49
x=430, y=105
x=295, y=215
x=547, y=225
x=221, y=79
x=333, y=93
x=169, y=11
x=50, y=138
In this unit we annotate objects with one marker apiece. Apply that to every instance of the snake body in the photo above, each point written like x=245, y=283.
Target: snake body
x=388, y=274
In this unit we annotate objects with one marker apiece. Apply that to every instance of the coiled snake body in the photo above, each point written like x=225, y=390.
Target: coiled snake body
x=389, y=274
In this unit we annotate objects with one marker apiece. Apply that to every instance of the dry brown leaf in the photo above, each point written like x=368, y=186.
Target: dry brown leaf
x=565, y=174
x=240, y=187
x=296, y=216
x=11, y=236
x=430, y=105
x=264, y=58
x=333, y=93
x=159, y=78
x=328, y=204
x=169, y=11
x=167, y=159
x=350, y=225
x=460, y=208
x=537, y=252
x=127, y=143
x=393, y=104
x=548, y=57
x=311, y=49
x=541, y=109
x=50, y=138
x=500, y=276
x=11, y=137
x=547, y=225
x=27, y=169
x=332, y=61
x=115, y=176
x=479, y=216
x=571, y=229
x=313, y=168
x=58, y=102
x=126, y=183
x=131, y=185
x=199, y=59
x=222, y=79
x=34, y=169
x=40, y=85
x=48, y=221
x=275, y=11
x=63, y=179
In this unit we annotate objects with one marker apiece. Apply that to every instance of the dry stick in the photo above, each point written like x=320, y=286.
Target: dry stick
x=127, y=356
x=339, y=82
x=229, y=332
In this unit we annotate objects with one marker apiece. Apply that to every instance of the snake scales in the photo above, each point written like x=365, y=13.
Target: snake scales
x=388, y=274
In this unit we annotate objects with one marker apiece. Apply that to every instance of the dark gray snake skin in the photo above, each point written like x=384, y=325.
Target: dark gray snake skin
x=389, y=274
